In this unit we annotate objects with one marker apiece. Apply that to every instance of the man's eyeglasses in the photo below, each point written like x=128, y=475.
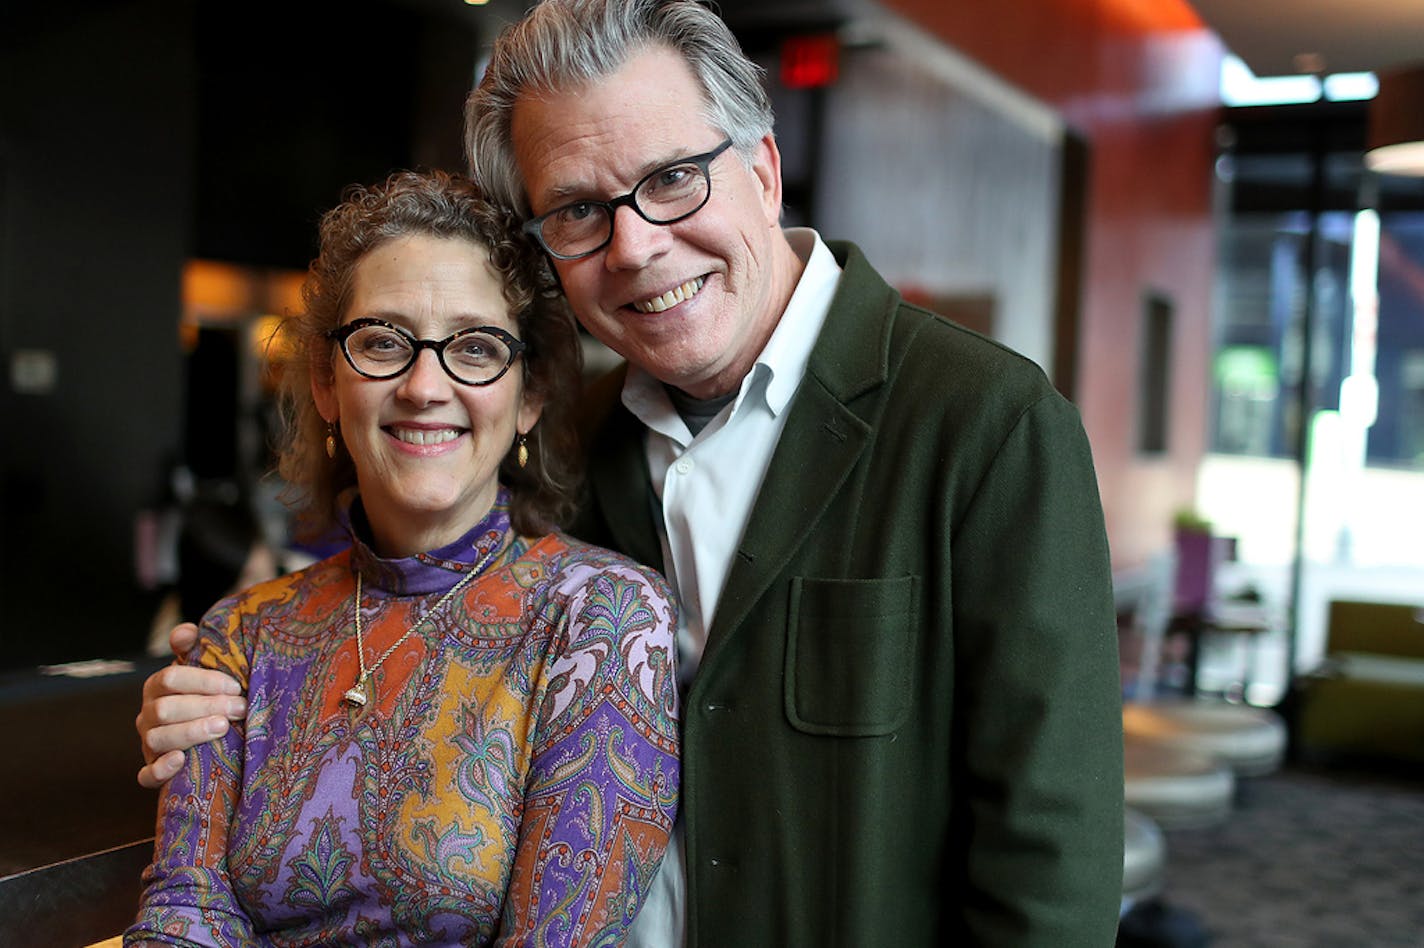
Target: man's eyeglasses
x=671, y=193
x=378, y=350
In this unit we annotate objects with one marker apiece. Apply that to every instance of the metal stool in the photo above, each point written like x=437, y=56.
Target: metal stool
x=1144, y=858
x=1176, y=788
x=1251, y=741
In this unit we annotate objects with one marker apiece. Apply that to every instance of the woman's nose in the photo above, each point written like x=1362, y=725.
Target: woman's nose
x=425, y=381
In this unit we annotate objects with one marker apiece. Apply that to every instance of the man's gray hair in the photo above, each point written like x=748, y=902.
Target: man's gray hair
x=563, y=45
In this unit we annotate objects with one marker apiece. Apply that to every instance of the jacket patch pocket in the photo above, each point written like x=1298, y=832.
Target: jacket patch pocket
x=848, y=654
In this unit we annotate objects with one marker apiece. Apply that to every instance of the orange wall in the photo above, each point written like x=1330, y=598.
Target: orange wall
x=1137, y=79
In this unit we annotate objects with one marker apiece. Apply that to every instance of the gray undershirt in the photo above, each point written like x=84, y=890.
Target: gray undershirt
x=697, y=412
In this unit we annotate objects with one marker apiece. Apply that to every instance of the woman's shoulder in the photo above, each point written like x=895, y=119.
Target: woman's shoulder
x=593, y=593
x=324, y=579
x=571, y=562
x=618, y=627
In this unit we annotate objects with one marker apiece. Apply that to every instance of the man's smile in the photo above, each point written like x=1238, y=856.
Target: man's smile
x=671, y=298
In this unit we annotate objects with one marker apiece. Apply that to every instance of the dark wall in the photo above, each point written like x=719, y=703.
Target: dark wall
x=96, y=148
x=135, y=134
x=296, y=104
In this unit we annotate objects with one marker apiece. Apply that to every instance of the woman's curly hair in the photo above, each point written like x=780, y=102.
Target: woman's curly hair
x=433, y=204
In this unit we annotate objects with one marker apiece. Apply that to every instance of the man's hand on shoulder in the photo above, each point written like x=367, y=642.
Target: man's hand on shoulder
x=183, y=707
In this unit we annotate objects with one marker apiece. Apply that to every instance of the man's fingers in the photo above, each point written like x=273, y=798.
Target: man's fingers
x=183, y=706
x=187, y=680
x=160, y=771
x=161, y=739
x=183, y=637
x=188, y=709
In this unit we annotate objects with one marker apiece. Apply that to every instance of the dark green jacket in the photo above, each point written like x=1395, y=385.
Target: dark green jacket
x=906, y=727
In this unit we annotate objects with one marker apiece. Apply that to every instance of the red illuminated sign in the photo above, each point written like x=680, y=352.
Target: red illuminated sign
x=809, y=61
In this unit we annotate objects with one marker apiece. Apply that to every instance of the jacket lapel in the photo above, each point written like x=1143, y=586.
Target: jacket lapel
x=826, y=432
x=618, y=474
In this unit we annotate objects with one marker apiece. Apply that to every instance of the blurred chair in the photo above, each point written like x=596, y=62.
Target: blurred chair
x=76, y=902
x=1175, y=786
x=1182, y=754
x=1142, y=597
x=1199, y=614
x=1367, y=699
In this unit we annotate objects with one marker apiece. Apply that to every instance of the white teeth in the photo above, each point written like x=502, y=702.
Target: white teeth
x=671, y=298
x=425, y=436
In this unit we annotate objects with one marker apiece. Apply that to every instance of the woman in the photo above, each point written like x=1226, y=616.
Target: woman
x=463, y=730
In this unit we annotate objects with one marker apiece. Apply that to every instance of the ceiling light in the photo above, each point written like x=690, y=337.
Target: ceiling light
x=1396, y=142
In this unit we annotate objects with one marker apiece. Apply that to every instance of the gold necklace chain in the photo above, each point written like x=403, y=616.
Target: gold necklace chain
x=356, y=695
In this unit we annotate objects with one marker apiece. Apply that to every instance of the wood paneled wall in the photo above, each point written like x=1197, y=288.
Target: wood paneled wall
x=953, y=200
x=1137, y=79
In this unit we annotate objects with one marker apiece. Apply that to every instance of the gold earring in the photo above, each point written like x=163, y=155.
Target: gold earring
x=522, y=454
x=330, y=439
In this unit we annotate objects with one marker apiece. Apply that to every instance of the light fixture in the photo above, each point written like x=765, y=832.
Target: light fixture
x=1396, y=142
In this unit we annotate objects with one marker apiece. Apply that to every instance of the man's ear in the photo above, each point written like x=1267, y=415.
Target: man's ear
x=766, y=165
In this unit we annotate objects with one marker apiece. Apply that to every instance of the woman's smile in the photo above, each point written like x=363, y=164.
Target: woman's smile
x=437, y=438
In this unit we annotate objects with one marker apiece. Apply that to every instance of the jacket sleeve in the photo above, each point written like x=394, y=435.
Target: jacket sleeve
x=187, y=897
x=602, y=789
x=1040, y=701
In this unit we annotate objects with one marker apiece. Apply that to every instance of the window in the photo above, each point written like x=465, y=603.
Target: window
x=1153, y=379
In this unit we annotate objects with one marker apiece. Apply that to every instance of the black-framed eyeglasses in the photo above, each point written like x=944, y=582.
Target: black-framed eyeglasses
x=670, y=194
x=379, y=350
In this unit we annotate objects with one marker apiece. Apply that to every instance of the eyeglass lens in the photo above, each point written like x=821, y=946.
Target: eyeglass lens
x=667, y=195
x=474, y=357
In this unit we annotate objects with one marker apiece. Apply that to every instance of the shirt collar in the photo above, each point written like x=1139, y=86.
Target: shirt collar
x=434, y=570
x=789, y=349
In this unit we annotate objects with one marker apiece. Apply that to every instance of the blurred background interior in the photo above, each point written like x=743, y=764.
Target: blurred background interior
x=1176, y=208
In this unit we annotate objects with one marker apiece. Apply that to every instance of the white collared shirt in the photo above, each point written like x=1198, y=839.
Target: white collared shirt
x=707, y=485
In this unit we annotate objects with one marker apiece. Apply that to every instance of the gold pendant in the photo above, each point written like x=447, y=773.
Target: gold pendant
x=355, y=695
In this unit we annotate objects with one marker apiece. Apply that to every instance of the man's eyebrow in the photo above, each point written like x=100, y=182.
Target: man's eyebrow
x=560, y=194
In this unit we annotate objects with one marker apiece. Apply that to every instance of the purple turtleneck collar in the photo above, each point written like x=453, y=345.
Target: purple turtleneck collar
x=433, y=571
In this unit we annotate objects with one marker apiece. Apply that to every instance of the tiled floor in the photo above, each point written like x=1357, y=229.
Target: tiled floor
x=1311, y=858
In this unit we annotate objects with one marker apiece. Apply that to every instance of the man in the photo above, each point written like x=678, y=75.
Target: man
x=901, y=716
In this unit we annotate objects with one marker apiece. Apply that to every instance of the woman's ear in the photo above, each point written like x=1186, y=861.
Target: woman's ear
x=531, y=406
x=323, y=389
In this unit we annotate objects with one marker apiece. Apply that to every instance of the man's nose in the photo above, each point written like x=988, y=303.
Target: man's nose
x=635, y=242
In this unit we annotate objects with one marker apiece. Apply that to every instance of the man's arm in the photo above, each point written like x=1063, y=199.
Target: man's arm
x=183, y=706
x=1037, y=656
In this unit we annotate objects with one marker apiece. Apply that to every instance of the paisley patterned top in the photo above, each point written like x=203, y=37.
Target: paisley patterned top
x=511, y=781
